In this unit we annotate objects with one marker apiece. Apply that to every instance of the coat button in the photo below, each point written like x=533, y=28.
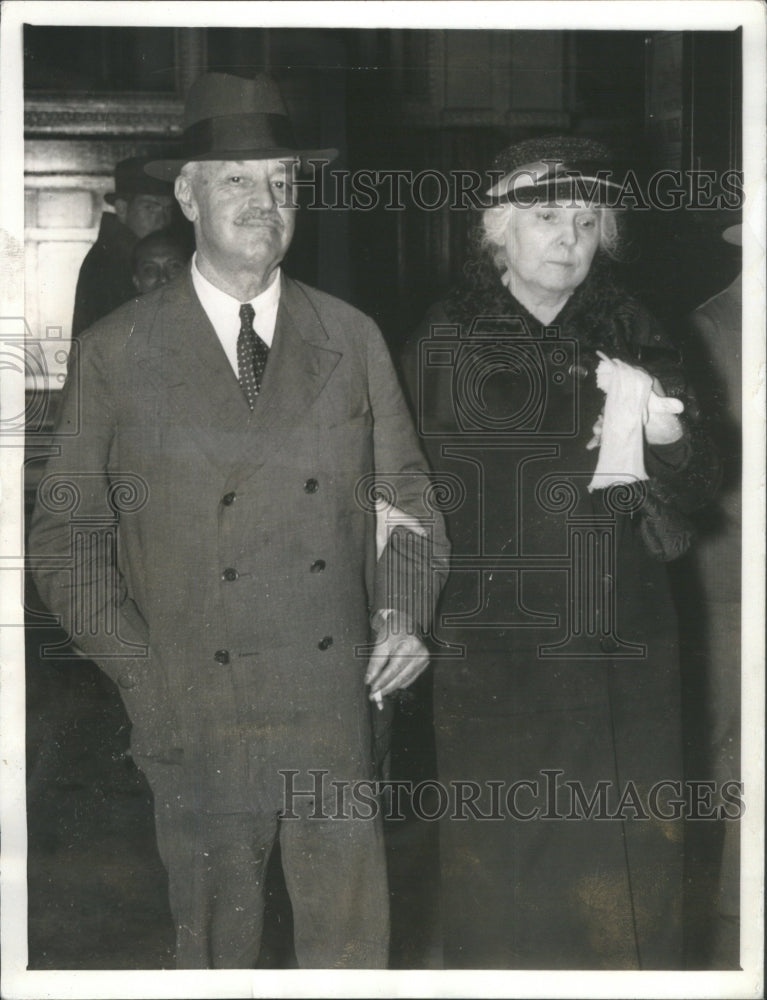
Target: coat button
x=228, y=499
x=311, y=486
x=608, y=644
x=221, y=656
x=126, y=681
x=325, y=643
x=229, y=574
x=318, y=566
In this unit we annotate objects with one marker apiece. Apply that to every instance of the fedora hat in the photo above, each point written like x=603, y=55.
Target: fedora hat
x=549, y=168
x=131, y=180
x=232, y=118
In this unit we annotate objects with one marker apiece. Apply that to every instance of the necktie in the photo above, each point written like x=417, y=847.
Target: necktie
x=252, y=353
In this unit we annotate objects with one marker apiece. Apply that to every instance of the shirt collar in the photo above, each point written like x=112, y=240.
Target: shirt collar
x=222, y=302
x=223, y=311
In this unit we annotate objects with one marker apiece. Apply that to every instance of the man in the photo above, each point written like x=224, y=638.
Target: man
x=242, y=577
x=157, y=259
x=142, y=205
x=715, y=347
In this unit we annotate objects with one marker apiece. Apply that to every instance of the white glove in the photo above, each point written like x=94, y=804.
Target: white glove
x=635, y=410
x=659, y=416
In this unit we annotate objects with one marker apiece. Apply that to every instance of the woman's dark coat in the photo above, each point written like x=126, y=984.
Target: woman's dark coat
x=556, y=654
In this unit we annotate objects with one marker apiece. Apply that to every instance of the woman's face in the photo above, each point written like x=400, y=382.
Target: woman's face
x=550, y=249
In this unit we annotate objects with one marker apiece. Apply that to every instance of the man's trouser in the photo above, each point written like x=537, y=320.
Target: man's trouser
x=335, y=873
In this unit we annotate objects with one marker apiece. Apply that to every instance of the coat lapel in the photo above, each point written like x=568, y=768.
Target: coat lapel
x=185, y=360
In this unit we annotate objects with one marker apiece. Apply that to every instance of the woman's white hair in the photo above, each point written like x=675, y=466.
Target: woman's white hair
x=496, y=220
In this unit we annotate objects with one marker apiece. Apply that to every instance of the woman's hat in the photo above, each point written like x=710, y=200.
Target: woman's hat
x=231, y=118
x=553, y=168
x=131, y=180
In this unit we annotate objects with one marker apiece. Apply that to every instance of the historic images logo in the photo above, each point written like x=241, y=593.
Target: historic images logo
x=431, y=190
x=545, y=795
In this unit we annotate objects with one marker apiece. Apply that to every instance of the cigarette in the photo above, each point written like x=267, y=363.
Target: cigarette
x=378, y=699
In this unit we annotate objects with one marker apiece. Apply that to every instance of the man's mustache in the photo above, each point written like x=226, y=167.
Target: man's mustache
x=266, y=218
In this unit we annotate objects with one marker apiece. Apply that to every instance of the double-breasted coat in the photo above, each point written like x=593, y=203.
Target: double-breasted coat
x=220, y=566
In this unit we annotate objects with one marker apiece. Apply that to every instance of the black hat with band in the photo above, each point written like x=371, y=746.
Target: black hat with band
x=232, y=118
x=130, y=180
x=554, y=169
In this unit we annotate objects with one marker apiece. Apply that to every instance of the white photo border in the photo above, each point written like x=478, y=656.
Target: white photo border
x=17, y=982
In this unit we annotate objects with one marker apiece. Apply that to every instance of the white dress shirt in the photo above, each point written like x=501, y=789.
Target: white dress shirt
x=223, y=311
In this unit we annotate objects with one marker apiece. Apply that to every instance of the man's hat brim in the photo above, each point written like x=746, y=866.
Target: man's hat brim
x=168, y=170
x=130, y=181
x=234, y=119
x=112, y=196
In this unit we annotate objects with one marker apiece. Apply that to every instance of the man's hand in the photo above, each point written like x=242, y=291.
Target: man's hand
x=398, y=658
x=661, y=423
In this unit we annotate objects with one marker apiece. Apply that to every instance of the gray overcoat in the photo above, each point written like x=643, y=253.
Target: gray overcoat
x=220, y=566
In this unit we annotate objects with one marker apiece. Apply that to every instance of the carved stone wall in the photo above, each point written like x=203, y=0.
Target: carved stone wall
x=74, y=139
x=72, y=143
x=65, y=184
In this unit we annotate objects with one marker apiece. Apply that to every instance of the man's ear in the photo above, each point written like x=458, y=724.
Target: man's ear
x=134, y=279
x=185, y=197
x=121, y=210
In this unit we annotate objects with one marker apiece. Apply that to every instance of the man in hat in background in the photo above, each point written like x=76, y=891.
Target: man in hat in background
x=231, y=423
x=142, y=205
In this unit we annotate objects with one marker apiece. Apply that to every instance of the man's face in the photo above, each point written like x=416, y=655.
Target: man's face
x=145, y=213
x=550, y=249
x=242, y=211
x=156, y=266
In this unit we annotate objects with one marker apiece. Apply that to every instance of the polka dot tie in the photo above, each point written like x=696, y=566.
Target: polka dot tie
x=252, y=353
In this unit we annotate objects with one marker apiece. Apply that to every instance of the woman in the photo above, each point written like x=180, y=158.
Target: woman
x=541, y=391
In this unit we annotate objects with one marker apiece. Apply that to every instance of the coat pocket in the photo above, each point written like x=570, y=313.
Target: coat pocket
x=143, y=691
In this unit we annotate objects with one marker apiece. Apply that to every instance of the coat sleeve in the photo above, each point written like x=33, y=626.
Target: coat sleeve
x=412, y=568
x=103, y=284
x=717, y=388
x=687, y=473
x=73, y=543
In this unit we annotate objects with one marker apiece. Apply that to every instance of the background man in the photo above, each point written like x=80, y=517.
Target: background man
x=157, y=259
x=142, y=205
x=715, y=346
x=228, y=424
